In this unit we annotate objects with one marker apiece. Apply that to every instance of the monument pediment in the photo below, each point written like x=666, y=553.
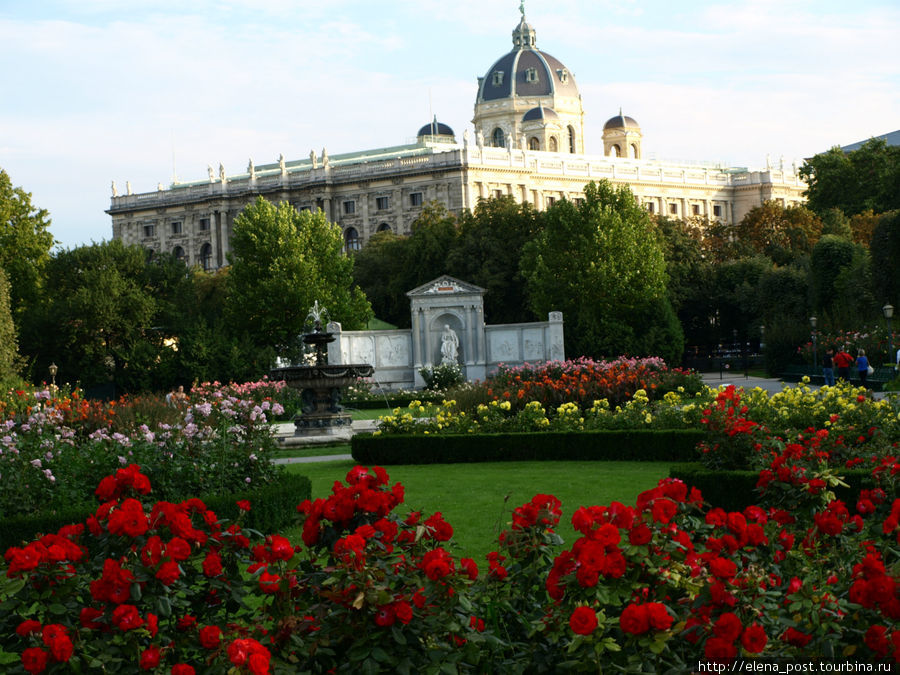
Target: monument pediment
x=446, y=285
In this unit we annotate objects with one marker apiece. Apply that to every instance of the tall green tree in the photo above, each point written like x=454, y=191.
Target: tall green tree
x=390, y=265
x=282, y=261
x=866, y=178
x=9, y=349
x=99, y=317
x=781, y=233
x=25, y=243
x=601, y=264
x=885, y=251
x=829, y=257
x=487, y=252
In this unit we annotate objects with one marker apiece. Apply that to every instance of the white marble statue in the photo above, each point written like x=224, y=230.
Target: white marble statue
x=449, y=346
x=115, y=191
x=313, y=159
x=212, y=174
x=221, y=172
x=281, y=164
x=128, y=187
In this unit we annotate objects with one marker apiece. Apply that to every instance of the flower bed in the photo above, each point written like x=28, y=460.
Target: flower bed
x=662, y=584
x=55, y=447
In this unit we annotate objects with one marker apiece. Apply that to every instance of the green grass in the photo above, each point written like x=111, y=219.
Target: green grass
x=476, y=499
x=368, y=413
x=314, y=451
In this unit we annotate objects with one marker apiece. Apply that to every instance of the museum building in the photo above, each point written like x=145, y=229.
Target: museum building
x=527, y=142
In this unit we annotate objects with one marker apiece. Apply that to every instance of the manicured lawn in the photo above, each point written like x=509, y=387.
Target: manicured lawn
x=476, y=499
x=314, y=451
x=368, y=413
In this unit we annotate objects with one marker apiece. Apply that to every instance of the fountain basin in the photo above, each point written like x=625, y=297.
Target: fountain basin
x=320, y=386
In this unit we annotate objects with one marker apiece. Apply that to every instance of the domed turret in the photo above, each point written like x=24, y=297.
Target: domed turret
x=436, y=132
x=523, y=80
x=622, y=137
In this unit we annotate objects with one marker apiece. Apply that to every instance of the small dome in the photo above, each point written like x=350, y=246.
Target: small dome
x=435, y=128
x=540, y=113
x=621, y=121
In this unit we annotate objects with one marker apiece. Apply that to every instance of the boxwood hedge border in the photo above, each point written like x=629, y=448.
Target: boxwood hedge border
x=272, y=508
x=629, y=445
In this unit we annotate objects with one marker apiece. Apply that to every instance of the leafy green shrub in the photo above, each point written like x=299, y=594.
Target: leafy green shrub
x=650, y=446
x=442, y=377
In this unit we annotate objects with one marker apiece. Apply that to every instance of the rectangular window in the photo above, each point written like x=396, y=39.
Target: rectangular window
x=415, y=199
x=149, y=230
x=717, y=211
x=382, y=203
x=650, y=207
x=203, y=224
x=349, y=208
x=498, y=194
x=305, y=207
x=673, y=209
x=695, y=209
x=551, y=201
x=176, y=227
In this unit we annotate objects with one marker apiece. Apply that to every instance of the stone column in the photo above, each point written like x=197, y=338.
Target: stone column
x=555, y=337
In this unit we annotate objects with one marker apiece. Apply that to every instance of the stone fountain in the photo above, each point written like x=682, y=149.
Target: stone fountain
x=321, y=384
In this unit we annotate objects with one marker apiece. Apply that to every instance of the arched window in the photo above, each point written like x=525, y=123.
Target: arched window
x=534, y=144
x=206, y=257
x=178, y=252
x=351, y=240
x=554, y=144
x=498, y=138
x=614, y=151
x=571, y=139
x=634, y=151
x=384, y=227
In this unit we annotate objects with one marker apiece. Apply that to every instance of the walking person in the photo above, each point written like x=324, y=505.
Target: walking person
x=828, y=367
x=862, y=366
x=843, y=361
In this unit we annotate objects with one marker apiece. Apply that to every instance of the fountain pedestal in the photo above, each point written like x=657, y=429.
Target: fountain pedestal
x=320, y=386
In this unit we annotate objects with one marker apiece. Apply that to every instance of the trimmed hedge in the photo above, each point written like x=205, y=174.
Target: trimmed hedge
x=644, y=445
x=735, y=490
x=272, y=507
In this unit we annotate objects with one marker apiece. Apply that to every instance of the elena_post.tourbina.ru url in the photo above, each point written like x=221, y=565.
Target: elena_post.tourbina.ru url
x=788, y=666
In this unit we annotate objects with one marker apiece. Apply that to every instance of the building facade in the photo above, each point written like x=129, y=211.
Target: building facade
x=527, y=142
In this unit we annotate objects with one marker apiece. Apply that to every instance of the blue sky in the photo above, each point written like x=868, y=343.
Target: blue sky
x=102, y=90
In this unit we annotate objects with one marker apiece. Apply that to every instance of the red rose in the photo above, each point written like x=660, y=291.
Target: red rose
x=212, y=564
x=178, y=549
x=640, y=535
x=659, y=616
x=470, y=567
x=876, y=640
x=634, y=620
x=404, y=612
x=210, y=636
x=728, y=627
x=796, y=637
x=168, y=572
x=27, y=627
x=663, y=510
x=243, y=505
x=477, y=624
x=34, y=660
x=150, y=658
x=126, y=618
x=385, y=616
x=437, y=564
x=583, y=621
x=754, y=638
x=722, y=568
x=269, y=583
x=89, y=616
x=717, y=649
x=183, y=669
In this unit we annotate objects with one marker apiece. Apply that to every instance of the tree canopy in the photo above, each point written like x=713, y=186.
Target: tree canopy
x=600, y=263
x=856, y=181
x=25, y=243
x=282, y=262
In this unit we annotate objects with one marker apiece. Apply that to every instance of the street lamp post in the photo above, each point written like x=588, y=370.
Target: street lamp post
x=888, y=310
x=812, y=322
x=53, y=370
